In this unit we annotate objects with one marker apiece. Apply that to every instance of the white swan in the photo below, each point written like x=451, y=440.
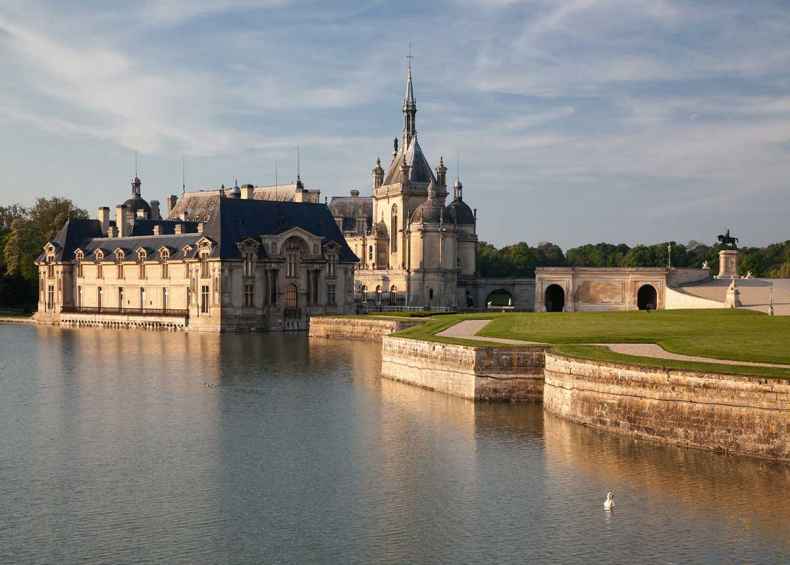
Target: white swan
x=608, y=504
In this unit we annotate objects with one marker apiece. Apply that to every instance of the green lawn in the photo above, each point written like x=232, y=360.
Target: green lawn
x=598, y=353
x=725, y=334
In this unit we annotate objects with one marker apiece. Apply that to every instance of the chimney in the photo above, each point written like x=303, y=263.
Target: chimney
x=355, y=193
x=247, y=192
x=103, y=215
x=120, y=220
x=179, y=229
x=200, y=227
x=157, y=229
x=155, y=214
x=172, y=200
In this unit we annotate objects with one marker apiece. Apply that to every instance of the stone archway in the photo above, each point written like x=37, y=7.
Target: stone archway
x=647, y=297
x=554, y=298
x=499, y=298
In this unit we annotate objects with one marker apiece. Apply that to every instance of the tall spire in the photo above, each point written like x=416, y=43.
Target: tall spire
x=409, y=108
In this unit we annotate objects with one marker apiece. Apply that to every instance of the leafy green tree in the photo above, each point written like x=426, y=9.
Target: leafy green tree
x=49, y=215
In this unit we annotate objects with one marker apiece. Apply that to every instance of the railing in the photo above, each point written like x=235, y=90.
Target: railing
x=125, y=311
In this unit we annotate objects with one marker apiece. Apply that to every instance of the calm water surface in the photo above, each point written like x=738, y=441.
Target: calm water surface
x=134, y=447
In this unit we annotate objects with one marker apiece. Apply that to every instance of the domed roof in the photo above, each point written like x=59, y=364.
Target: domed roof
x=431, y=209
x=136, y=203
x=459, y=212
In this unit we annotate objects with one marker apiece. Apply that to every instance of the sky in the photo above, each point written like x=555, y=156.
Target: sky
x=571, y=121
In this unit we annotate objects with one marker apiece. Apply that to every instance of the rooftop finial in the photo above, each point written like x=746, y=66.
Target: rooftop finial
x=409, y=106
x=299, y=184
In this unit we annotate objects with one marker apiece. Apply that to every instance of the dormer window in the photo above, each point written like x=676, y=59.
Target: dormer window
x=204, y=273
x=119, y=257
x=99, y=269
x=293, y=249
x=164, y=257
x=249, y=264
x=141, y=256
x=331, y=265
x=50, y=266
x=79, y=256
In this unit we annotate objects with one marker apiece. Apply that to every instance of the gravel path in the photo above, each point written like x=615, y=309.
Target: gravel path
x=468, y=329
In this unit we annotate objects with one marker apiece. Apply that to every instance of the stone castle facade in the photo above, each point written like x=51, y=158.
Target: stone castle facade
x=223, y=261
x=415, y=249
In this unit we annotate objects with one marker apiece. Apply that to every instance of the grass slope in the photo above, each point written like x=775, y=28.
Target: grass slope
x=738, y=335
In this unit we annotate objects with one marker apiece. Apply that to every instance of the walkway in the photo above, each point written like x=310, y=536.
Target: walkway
x=468, y=329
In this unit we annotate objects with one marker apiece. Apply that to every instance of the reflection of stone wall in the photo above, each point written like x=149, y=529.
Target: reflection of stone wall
x=601, y=292
x=733, y=414
x=356, y=328
x=476, y=373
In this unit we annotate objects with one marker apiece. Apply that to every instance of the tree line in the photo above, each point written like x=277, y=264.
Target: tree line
x=23, y=233
x=521, y=259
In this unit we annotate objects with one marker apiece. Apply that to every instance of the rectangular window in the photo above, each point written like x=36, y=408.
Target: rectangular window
x=164, y=299
x=120, y=271
x=51, y=297
x=249, y=295
x=165, y=273
x=273, y=287
x=204, y=266
x=99, y=293
x=142, y=298
x=291, y=296
x=79, y=296
x=79, y=269
x=99, y=271
x=330, y=267
x=204, y=299
x=142, y=271
x=120, y=298
x=330, y=294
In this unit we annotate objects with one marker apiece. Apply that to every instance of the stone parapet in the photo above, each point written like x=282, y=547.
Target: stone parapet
x=121, y=321
x=724, y=413
x=368, y=329
x=475, y=373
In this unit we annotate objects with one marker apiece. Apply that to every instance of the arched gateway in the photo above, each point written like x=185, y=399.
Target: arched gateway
x=647, y=297
x=555, y=298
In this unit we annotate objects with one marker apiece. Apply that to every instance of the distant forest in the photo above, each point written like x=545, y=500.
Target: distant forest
x=521, y=259
x=23, y=232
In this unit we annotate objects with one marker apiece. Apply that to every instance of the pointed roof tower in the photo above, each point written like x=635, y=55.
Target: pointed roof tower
x=409, y=108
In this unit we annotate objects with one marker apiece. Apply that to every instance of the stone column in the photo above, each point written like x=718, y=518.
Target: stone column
x=728, y=263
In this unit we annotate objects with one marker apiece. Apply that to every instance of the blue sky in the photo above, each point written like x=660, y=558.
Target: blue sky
x=576, y=121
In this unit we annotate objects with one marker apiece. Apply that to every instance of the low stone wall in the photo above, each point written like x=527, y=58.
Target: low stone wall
x=368, y=329
x=724, y=413
x=476, y=373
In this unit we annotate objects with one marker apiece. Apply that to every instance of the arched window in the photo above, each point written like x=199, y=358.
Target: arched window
x=378, y=294
x=394, y=228
x=292, y=296
x=393, y=294
x=364, y=292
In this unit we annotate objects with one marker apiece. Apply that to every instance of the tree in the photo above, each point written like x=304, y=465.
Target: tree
x=49, y=215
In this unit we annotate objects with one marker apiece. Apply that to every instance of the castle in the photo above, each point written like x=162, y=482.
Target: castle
x=414, y=248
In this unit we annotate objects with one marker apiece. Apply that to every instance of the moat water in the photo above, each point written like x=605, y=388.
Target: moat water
x=136, y=447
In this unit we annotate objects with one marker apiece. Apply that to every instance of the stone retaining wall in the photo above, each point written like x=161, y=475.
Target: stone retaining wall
x=476, y=373
x=356, y=328
x=725, y=413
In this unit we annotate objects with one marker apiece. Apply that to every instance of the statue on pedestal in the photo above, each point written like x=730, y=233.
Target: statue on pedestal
x=728, y=241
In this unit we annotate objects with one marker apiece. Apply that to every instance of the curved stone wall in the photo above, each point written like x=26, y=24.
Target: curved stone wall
x=475, y=373
x=725, y=413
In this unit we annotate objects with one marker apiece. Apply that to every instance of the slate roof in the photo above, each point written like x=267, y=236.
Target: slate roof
x=231, y=221
x=166, y=227
x=350, y=208
x=459, y=212
x=419, y=171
